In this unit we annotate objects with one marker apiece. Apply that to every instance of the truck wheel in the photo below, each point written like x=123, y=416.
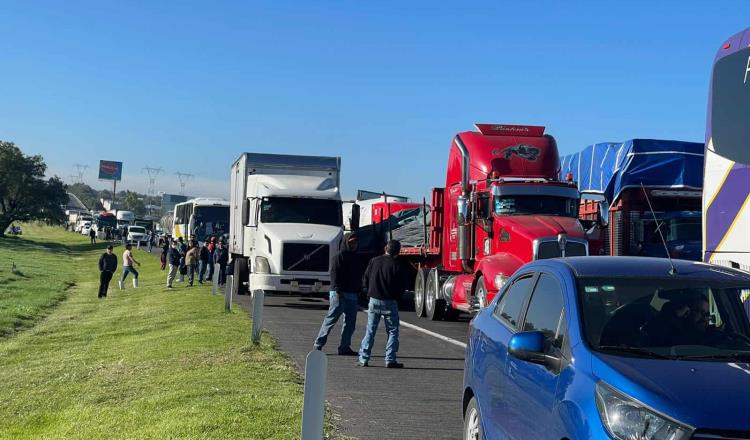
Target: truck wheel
x=240, y=277
x=480, y=294
x=434, y=307
x=419, y=286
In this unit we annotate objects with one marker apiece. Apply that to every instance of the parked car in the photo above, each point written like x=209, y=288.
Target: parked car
x=85, y=228
x=137, y=234
x=611, y=347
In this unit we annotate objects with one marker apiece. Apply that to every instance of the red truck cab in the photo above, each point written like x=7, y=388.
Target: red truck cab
x=503, y=205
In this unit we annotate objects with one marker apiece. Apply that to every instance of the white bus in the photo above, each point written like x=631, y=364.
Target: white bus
x=201, y=217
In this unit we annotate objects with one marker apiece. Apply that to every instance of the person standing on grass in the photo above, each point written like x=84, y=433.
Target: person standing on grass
x=107, y=267
x=203, y=256
x=346, y=281
x=127, y=266
x=384, y=282
x=211, y=250
x=92, y=235
x=163, y=256
x=183, y=250
x=174, y=258
x=150, y=241
x=221, y=257
x=191, y=261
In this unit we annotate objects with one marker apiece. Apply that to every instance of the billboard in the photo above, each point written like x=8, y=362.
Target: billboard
x=109, y=170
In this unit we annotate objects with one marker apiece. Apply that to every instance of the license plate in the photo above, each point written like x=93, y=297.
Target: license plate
x=305, y=288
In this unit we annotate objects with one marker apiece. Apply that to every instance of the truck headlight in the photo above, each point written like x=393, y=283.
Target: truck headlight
x=261, y=265
x=627, y=419
x=500, y=281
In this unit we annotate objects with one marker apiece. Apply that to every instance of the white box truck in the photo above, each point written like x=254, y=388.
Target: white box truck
x=285, y=222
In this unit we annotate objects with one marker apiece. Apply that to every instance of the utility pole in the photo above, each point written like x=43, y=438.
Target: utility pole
x=81, y=169
x=153, y=173
x=184, y=178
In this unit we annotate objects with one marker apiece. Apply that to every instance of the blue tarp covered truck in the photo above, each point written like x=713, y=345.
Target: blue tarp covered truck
x=614, y=206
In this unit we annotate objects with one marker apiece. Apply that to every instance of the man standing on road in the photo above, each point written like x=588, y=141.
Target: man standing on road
x=107, y=267
x=127, y=266
x=173, y=257
x=346, y=281
x=384, y=283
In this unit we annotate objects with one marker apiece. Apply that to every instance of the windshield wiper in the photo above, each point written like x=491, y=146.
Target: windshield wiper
x=633, y=350
x=742, y=356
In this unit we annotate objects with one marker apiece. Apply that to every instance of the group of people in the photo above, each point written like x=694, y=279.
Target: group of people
x=384, y=282
x=108, y=266
x=191, y=258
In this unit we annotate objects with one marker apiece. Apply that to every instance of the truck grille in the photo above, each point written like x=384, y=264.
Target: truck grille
x=550, y=249
x=306, y=257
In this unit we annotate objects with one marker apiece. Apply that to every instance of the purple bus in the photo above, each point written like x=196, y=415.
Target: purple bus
x=726, y=176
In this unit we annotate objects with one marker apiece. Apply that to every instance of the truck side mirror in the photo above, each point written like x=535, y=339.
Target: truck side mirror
x=602, y=214
x=462, y=205
x=354, y=223
x=483, y=206
x=245, y=212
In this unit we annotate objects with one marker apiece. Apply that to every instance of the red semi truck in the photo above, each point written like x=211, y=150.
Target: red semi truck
x=503, y=205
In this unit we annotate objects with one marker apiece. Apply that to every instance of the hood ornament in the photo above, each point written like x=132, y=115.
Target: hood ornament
x=562, y=242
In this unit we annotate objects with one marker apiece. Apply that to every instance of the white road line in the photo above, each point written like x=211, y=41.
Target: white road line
x=433, y=334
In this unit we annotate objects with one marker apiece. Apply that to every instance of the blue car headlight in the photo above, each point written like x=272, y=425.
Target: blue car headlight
x=627, y=419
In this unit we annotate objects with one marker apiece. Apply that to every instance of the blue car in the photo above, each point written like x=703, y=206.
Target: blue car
x=611, y=347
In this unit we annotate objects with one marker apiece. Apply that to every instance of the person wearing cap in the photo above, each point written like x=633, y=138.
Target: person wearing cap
x=346, y=281
x=385, y=282
x=107, y=267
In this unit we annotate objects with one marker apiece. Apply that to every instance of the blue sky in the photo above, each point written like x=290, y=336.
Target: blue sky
x=188, y=86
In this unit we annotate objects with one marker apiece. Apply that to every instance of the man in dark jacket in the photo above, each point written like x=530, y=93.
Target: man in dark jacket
x=346, y=281
x=203, y=256
x=384, y=283
x=107, y=267
x=174, y=258
x=221, y=257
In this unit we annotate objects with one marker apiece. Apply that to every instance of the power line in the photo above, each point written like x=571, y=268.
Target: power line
x=184, y=178
x=81, y=169
x=153, y=173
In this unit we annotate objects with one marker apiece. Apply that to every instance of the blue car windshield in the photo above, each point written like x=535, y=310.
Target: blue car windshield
x=665, y=318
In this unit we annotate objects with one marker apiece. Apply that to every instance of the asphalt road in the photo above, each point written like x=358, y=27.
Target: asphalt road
x=421, y=401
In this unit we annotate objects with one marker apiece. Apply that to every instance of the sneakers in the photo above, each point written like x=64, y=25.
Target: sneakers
x=394, y=365
x=135, y=283
x=348, y=352
x=119, y=283
x=363, y=364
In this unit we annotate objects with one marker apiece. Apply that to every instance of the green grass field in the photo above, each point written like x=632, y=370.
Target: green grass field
x=143, y=363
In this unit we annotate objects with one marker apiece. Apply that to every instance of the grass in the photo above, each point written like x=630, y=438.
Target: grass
x=145, y=363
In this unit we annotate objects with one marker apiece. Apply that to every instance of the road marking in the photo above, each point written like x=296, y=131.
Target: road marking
x=433, y=334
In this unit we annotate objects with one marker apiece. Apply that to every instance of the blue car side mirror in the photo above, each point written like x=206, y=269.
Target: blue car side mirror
x=528, y=346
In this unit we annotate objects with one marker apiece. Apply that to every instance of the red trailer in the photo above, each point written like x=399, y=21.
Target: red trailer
x=503, y=205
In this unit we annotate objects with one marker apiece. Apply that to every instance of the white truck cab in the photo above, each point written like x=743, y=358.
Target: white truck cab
x=285, y=222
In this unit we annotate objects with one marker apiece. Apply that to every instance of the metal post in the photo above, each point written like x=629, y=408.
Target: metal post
x=313, y=409
x=258, y=300
x=228, y=294
x=215, y=286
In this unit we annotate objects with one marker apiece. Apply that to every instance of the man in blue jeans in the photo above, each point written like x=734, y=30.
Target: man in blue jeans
x=384, y=283
x=346, y=281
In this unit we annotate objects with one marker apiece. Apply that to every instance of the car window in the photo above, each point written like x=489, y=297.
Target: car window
x=509, y=308
x=546, y=312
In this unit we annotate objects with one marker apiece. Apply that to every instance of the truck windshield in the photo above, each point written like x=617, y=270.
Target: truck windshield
x=297, y=210
x=536, y=205
x=674, y=229
x=211, y=220
x=665, y=318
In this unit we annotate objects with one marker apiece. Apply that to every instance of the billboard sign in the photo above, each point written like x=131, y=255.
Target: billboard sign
x=109, y=170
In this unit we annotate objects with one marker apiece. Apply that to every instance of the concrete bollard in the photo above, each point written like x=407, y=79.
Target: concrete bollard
x=215, y=287
x=313, y=409
x=228, y=294
x=258, y=300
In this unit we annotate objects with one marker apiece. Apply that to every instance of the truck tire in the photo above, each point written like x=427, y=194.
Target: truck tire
x=480, y=294
x=434, y=306
x=419, y=286
x=240, y=277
